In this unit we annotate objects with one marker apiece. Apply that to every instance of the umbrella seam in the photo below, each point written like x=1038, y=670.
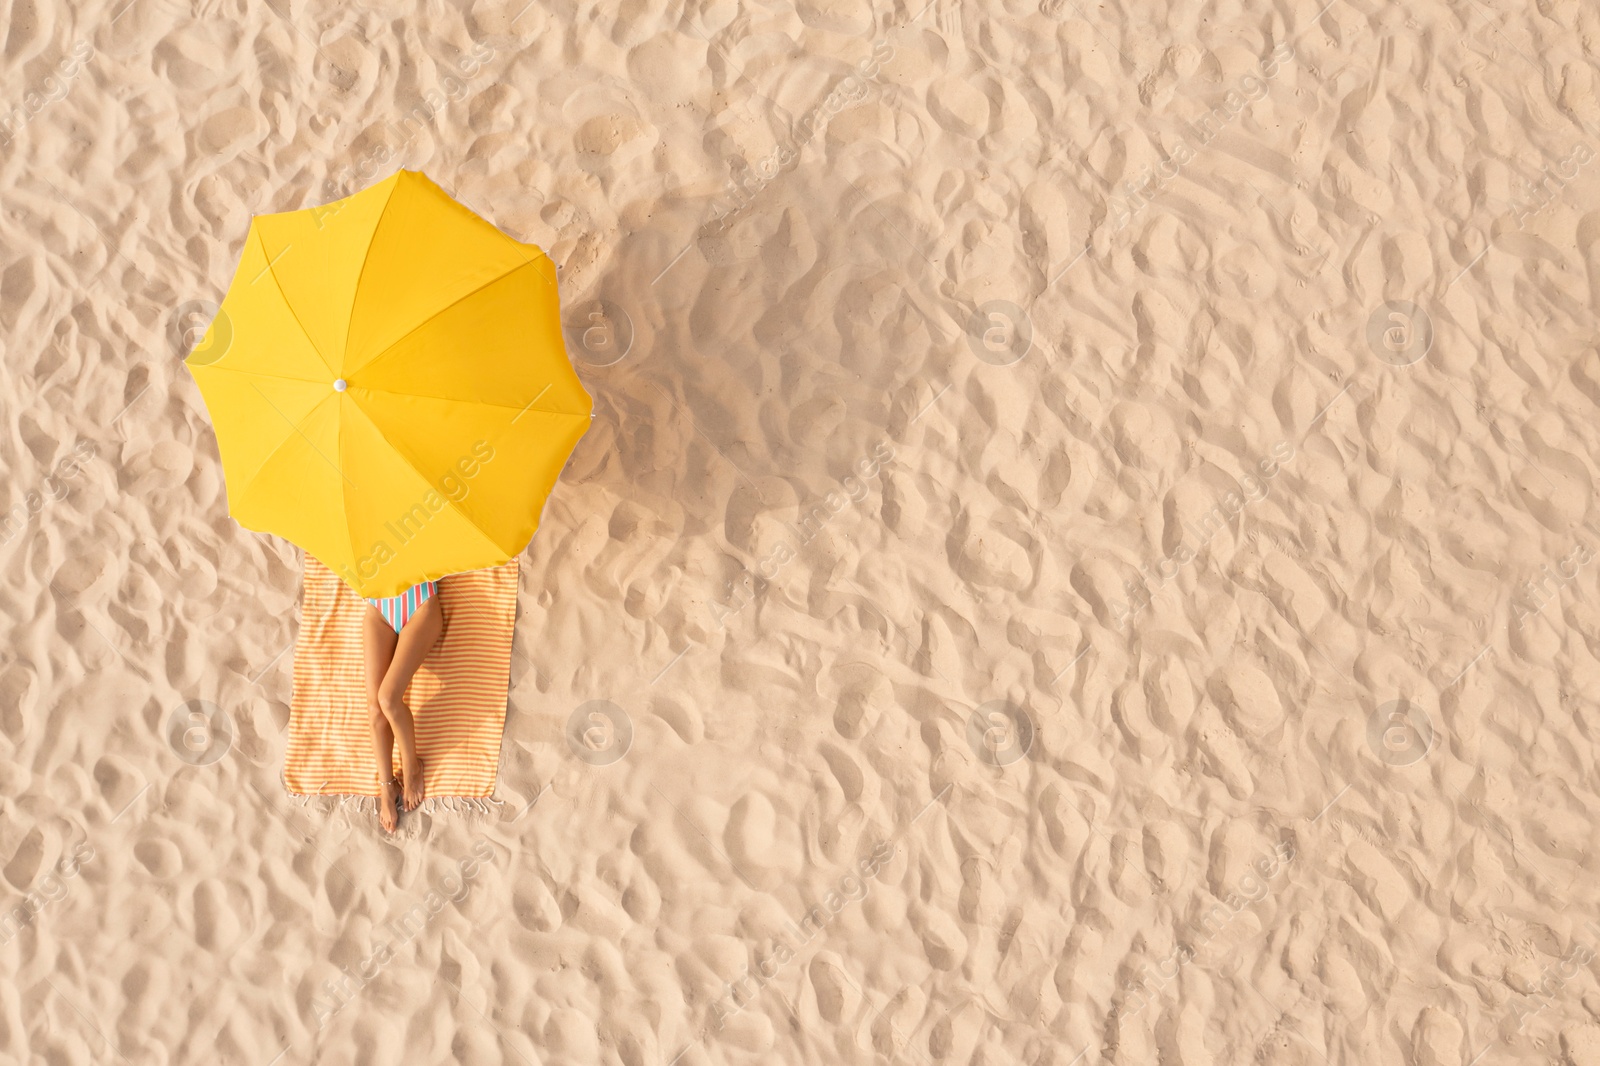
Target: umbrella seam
x=256, y=476
x=344, y=488
x=431, y=487
x=273, y=273
x=479, y=403
x=453, y=303
x=355, y=294
x=258, y=373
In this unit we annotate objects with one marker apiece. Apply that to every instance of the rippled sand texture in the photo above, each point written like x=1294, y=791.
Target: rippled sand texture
x=1088, y=556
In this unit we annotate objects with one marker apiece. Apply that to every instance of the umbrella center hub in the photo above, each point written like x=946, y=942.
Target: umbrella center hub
x=339, y=385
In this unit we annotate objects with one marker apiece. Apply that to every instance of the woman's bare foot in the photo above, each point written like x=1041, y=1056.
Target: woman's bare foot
x=388, y=813
x=412, y=781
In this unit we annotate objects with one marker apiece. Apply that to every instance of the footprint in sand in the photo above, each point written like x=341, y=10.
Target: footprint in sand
x=571, y=1035
x=853, y=18
x=960, y=107
x=118, y=781
x=160, y=858
x=1436, y=1039
x=23, y=292
x=534, y=905
x=147, y=988
x=19, y=685
x=943, y=942
x=216, y=926
x=1248, y=699
x=954, y=1037
x=23, y=866
x=836, y=994
x=229, y=132
x=761, y=841
x=85, y=574
x=846, y=772
x=662, y=67
x=893, y=1028
x=642, y=899
x=856, y=710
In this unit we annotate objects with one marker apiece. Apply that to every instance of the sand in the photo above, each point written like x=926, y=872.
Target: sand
x=1086, y=552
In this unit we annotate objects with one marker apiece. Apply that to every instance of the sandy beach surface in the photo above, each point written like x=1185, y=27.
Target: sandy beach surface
x=1086, y=552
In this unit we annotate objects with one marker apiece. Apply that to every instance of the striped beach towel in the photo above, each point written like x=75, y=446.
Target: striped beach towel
x=458, y=695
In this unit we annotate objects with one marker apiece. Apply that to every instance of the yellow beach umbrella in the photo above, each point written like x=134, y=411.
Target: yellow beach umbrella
x=389, y=386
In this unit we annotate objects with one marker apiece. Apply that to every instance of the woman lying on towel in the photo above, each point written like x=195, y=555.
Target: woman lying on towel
x=400, y=631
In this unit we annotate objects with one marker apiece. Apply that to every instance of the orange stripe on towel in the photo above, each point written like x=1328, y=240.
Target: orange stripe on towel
x=458, y=696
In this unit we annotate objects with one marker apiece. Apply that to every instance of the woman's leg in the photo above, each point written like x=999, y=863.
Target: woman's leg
x=418, y=637
x=379, y=642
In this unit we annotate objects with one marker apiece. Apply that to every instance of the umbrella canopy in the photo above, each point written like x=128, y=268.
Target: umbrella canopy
x=389, y=386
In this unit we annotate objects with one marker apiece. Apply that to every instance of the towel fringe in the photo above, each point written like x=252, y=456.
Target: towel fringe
x=471, y=808
x=484, y=807
x=328, y=803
